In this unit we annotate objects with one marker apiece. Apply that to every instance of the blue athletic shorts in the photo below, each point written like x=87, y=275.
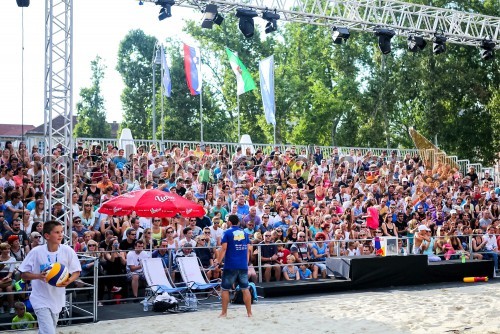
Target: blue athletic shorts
x=232, y=276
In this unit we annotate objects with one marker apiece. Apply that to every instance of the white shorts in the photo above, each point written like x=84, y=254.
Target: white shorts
x=47, y=321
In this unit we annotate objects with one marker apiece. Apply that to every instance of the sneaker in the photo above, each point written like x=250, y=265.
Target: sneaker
x=12, y=310
x=2, y=311
x=99, y=304
x=116, y=289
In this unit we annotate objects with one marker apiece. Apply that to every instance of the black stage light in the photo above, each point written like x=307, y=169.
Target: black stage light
x=340, y=34
x=166, y=8
x=211, y=16
x=23, y=3
x=272, y=21
x=246, y=24
x=438, y=44
x=487, y=49
x=416, y=43
x=384, y=39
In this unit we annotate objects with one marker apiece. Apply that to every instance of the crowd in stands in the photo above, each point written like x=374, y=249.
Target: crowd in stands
x=298, y=207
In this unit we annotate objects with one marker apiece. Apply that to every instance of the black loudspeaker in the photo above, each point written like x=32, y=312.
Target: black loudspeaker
x=23, y=3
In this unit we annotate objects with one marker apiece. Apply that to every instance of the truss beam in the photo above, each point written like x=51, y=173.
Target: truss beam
x=364, y=15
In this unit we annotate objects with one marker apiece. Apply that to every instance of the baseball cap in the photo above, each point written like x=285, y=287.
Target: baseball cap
x=423, y=228
x=35, y=234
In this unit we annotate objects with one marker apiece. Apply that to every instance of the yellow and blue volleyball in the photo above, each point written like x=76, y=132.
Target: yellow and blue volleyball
x=57, y=273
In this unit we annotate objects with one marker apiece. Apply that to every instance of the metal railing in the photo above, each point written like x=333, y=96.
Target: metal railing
x=86, y=310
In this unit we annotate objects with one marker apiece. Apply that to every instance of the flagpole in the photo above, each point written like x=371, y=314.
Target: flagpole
x=238, y=104
x=274, y=132
x=201, y=106
x=201, y=118
x=162, y=72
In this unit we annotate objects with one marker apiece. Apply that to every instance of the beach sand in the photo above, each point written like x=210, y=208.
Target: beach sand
x=445, y=308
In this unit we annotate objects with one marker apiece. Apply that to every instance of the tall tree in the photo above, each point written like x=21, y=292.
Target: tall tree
x=90, y=109
x=134, y=64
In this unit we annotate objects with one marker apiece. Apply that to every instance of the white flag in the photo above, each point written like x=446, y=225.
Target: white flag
x=167, y=84
x=266, y=73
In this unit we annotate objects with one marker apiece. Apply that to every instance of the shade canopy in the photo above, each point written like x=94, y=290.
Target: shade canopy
x=152, y=203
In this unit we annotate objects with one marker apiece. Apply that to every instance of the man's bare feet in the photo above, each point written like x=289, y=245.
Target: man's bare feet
x=222, y=315
x=249, y=315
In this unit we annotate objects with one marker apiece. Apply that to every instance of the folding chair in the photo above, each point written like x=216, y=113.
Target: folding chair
x=158, y=280
x=195, y=278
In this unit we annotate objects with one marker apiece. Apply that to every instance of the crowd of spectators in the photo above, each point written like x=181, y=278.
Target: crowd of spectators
x=298, y=207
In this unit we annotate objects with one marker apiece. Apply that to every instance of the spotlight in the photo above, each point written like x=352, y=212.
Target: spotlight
x=271, y=18
x=340, y=34
x=416, y=43
x=166, y=8
x=438, y=44
x=384, y=39
x=23, y=3
x=211, y=16
x=246, y=21
x=488, y=49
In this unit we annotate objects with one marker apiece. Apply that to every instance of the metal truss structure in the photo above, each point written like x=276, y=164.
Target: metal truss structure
x=58, y=104
x=364, y=15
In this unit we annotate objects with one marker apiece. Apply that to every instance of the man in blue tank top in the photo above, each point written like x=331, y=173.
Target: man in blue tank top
x=236, y=247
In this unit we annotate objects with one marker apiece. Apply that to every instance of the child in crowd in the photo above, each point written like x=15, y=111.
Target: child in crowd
x=283, y=253
x=290, y=271
x=304, y=272
x=22, y=318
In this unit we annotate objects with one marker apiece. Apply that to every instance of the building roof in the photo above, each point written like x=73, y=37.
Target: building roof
x=58, y=123
x=15, y=130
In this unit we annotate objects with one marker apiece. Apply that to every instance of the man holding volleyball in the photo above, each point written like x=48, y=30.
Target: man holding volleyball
x=48, y=300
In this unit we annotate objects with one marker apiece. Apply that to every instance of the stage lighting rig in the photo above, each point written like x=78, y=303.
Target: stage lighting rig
x=487, y=49
x=166, y=8
x=416, y=43
x=211, y=16
x=340, y=34
x=246, y=23
x=438, y=44
x=271, y=18
x=384, y=39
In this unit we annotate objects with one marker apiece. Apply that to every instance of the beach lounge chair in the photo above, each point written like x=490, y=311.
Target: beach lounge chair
x=194, y=277
x=158, y=280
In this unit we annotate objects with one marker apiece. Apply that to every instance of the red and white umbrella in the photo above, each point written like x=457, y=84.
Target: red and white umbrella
x=151, y=203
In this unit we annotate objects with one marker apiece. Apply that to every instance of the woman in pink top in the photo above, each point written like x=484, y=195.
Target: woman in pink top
x=371, y=216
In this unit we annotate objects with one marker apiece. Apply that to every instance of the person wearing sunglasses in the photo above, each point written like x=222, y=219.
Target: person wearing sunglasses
x=35, y=240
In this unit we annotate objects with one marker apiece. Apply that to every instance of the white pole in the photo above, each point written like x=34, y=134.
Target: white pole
x=274, y=134
x=238, y=104
x=162, y=99
x=201, y=106
x=201, y=117
x=154, y=98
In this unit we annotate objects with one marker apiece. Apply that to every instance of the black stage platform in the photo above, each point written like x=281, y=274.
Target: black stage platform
x=379, y=272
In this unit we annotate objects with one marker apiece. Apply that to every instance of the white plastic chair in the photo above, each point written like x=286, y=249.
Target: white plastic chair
x=158, y=280
x=194, y=277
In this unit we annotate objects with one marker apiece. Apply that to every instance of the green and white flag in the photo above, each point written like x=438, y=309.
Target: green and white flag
x=243, y=77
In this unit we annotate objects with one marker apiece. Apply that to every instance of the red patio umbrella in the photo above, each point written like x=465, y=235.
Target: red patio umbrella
x=151, y=203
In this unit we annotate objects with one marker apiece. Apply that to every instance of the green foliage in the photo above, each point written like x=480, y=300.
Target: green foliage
x=90, y=109
x=134, y=64
x=327, y=94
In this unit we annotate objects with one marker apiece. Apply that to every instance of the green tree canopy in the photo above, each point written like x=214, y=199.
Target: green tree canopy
x=90, y=109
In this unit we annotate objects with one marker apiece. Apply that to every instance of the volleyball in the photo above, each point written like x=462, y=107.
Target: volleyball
x=56, y=274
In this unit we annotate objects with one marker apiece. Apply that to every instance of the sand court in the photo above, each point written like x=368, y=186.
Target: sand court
x=444, y=308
